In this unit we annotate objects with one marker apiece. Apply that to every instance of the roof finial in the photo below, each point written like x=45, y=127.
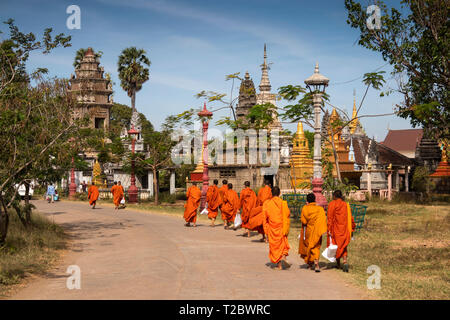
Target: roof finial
x=265, y=83
x=316, y=69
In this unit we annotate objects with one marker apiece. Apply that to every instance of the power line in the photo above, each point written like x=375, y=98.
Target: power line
x=344, y=82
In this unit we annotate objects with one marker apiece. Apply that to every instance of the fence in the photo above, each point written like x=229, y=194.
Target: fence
x=297, y=201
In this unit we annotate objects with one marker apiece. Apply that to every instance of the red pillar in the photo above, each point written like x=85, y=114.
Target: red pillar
x=72, y=185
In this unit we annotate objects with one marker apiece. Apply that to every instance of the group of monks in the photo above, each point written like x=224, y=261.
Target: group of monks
x=265, y=213
x=116, y=190
x=269, y=215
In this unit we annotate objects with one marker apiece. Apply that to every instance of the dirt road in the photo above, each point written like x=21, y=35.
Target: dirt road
x=135, y=255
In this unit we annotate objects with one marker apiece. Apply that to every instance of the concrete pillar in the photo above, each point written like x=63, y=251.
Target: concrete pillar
x=369, y=184
x=407, y=179
x=172, y=182
x=390, y=185
x=150, y=183
x=397, y=181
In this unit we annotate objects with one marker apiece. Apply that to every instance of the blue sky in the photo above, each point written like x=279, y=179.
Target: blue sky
x=193, y=44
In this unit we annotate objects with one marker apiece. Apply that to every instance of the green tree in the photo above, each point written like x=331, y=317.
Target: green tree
x=416, y=43
x=35, y=119
x=132, y=71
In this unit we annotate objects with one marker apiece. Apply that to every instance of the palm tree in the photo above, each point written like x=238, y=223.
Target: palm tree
x=80, y=55
x=132, y=71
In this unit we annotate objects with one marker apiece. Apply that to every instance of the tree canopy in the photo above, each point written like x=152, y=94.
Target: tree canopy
x=416, y=44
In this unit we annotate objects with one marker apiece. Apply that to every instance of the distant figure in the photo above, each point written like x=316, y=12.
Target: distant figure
x=193, y=196
x=214, y=201
x=314, y=225
x=340, y=227
x=247, y=203
x=56, y=197
x=93, y=195
x=255, y=220
x=276, y=227
x=84, y=187
x=51, y=193
x=230, y=206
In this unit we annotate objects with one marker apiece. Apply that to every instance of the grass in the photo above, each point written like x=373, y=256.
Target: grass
x=28, y=251
x=411, y=245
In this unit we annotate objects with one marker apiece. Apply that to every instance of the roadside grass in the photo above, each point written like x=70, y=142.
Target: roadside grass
x=409, y=242
x=29, y=251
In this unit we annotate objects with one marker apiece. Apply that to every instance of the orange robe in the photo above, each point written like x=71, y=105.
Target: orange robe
x=222, y=191
x=340, y=225
x=255, y=220
x=230, y=205
x=276, y=226
x=117, y=192
x=313, y=217
x=193, y=196
x=93, y=194
x=214, y=201
x=247, y=203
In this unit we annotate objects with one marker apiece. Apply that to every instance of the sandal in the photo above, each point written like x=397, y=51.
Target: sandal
x=285, y=264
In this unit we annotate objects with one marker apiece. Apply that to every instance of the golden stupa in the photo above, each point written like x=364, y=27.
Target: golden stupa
x=301, y=162
x=96, y=175
x=345, y=164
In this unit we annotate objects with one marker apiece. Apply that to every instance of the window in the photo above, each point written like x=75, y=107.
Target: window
x=227, y=173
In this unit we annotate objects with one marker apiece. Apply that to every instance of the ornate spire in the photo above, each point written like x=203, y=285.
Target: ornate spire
x=355, y=122
x=265, y=83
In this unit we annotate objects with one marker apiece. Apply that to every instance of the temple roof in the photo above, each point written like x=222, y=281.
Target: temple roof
x=403, y=140
x=386, y=155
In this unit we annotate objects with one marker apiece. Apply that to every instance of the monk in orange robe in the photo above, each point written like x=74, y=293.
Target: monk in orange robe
x=214, y=201
x=93, y=195
x=230, y=206
x=121, y=191
x=247, y=203
x=276, y=224
x=193, y=196
x=340, y=227
x=255, y=220
x=117, y=196
x=314, y=225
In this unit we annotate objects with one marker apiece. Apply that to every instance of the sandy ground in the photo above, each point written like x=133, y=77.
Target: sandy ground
x=135, y=255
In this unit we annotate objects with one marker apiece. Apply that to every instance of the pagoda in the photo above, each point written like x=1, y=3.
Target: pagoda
x=335, y=133
x=441, y=176
x=301, y=162
x=92, y=91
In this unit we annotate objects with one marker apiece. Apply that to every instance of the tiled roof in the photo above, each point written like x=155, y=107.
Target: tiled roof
x=403, y=140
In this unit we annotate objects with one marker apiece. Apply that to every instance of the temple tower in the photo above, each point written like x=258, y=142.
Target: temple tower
x=264, y=95
x=301, y=162
x=247, y=98
x=92, y=91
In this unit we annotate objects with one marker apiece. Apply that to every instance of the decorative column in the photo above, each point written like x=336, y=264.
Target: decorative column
x=316, y=84
x=132, y=190
x=150, y=183
x=205, y=115
x=72, y=185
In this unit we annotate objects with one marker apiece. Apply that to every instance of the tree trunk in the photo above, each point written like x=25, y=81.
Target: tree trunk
x=27, y=204
x=133, y=102
x=336, y=160
x=155, y=186
x=4, y=221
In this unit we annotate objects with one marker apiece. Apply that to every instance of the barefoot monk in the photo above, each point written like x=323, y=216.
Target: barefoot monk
x=247, y=203
x=314, y=225
x=276, y=226
x=214, y=201
x=340, y=227
x=93, y=195
x=193, y=196
x=255, y=220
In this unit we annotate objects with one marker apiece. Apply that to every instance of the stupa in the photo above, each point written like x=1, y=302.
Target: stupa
x=301, y=162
